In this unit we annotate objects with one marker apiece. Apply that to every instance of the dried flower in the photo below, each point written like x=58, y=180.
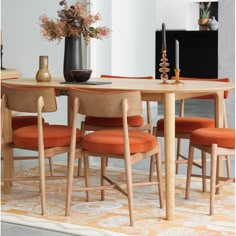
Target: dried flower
x=72, y=21
x=205, y=10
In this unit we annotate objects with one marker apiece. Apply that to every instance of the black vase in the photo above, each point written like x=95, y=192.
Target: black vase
x=72, y=56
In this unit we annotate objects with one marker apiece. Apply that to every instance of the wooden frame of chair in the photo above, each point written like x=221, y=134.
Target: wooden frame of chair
x=19, y=121
x=216, y=152
x=146, y=126
x=113, y=104
x=37, y=100
x=179, y=136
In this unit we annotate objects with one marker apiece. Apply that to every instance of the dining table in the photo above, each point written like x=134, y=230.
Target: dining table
x=151, y=90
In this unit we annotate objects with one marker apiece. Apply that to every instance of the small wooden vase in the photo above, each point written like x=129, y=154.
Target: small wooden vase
x=43, y=74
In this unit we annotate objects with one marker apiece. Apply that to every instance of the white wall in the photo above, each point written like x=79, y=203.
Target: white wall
x=21, y=37
x=23, y=44
x=133, y=24
x=226, y=49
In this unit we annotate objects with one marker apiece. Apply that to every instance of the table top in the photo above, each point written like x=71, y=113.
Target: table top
x=149, y=87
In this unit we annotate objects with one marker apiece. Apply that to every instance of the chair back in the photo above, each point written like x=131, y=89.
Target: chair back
x=148, y=105
x=23, y=99
x=106, y=104
x=226, y=93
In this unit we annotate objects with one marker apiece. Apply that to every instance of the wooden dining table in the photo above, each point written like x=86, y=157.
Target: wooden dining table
x=151, y=90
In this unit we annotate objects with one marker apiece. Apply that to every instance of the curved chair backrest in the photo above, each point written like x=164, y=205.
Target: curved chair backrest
x=25, y=99
x=226, y=93
x=148, y=106
x=106, y=104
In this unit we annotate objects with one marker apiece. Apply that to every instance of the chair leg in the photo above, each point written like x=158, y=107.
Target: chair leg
x=50, y=159
x=80, y=160
x=213, y=177
x=159, y=179
x=69, y=182
x=151, y=169
x=86, y=174
x=189, y=171
x=130, y=190
x=204, y=171
x=217, y=190
x=42, y=182
x=228, y=166
x=103, y=170
x=177, y=155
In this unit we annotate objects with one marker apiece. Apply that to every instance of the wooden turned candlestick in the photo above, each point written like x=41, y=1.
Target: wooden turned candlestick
x=164, y=67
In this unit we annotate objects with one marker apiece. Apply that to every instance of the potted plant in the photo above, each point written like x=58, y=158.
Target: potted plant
x=204, y=15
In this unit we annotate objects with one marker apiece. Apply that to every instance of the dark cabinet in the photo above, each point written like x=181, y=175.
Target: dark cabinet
x=198, y=53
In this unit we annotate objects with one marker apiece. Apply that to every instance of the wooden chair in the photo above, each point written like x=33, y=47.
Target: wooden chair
x=217, y=142
x=47, y=140
x=92, y=123
x=19, y=121
x=131, y=146
x=184, y=125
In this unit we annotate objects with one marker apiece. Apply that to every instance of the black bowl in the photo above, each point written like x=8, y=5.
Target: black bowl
x=80, y=75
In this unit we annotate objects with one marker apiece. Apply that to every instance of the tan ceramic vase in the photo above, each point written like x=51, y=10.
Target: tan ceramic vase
x=43, y=74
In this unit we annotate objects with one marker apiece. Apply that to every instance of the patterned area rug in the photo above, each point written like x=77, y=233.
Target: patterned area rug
x=110, y=217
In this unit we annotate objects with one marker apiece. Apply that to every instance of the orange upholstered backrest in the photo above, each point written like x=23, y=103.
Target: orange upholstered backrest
x=226, y=93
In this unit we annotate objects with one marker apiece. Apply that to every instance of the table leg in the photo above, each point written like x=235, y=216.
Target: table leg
x=219, y=111
x=7, y=152
x=169, y=134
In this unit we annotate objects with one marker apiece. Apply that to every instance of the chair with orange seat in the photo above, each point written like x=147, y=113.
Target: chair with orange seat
x=184, y=125
x=92, y=123
x=19, y=121
x=47, y=140
x=216, y=142
x=131, y=146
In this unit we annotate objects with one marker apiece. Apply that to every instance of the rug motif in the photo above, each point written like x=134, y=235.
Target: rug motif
x=111, y=217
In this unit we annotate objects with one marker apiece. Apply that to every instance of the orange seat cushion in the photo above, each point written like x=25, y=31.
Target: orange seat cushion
x=133, y=121
x=21, y=121
x=188, y=124
x=112, y=141
x=54, y=136
x=223, y=137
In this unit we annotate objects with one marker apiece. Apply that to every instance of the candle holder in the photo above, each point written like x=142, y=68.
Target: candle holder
x=177, y=81
x=2, y=68
x=164, y=67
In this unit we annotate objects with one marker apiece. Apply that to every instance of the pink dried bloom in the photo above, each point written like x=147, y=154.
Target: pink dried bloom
x=89, y=20
x=72, y=21
x=97, y=17
x=103, y=31
x=44, y=18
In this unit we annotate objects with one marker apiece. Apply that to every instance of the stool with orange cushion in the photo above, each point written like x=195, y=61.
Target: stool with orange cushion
x=184, y=125
x=217, y=142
